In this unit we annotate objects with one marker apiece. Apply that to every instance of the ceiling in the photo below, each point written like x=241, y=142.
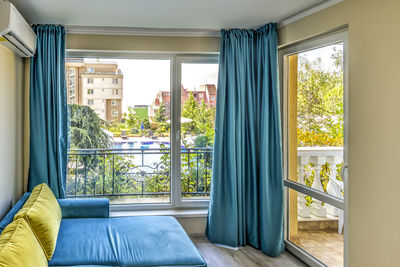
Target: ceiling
x=187, y=14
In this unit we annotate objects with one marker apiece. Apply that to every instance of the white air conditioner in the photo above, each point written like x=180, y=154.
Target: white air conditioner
x=15, y=32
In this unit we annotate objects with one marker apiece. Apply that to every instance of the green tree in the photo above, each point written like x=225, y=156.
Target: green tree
x=146, y=123
x=86, y=129
x=204, y=120
x=320, y=102
x=189, y=111
x=160, y=115
x=161, y=119
x=132, y=120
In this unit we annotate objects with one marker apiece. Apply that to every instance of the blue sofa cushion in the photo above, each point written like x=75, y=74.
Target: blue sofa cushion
x=84, y=207
x=124, y=241
x=10, y=215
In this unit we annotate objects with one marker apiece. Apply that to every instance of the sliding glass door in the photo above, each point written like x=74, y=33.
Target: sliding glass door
x=315, y=139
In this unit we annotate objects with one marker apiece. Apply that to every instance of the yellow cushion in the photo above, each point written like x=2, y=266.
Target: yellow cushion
x=43, y=214
x=19, y=246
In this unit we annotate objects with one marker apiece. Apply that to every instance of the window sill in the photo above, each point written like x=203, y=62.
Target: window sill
x=177, y=213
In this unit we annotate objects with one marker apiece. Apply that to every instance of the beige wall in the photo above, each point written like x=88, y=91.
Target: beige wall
x=374, y=123
x=11, y=134
x=142, y=43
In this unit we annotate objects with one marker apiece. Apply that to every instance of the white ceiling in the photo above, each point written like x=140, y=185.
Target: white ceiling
x=187, y=14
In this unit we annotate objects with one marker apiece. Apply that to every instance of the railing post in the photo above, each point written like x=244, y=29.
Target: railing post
x=302, y=209
x=316, y=207
x=331, y=187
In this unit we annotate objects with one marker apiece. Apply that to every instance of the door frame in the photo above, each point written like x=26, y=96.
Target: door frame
x=337, y=36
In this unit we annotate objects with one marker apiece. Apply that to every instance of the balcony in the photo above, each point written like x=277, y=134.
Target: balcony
x=137, y=175
x=317, y=227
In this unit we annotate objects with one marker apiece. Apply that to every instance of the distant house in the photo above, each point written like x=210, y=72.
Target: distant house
x=207, y=93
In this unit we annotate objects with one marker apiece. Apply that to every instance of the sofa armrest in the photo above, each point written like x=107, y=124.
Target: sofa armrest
x=85, y=208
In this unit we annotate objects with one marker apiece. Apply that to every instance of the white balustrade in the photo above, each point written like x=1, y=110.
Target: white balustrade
x=302, y=209
x=319, y=156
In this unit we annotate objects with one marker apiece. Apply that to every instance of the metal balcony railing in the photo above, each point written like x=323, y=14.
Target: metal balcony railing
x=136, y=172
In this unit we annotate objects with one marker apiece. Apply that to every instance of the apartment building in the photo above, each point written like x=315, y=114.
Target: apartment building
x=206, y=93
x=95, y=84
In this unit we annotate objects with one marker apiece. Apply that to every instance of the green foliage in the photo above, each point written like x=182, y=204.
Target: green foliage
x=146, y=123
x=196, y=172
x=161, y=119
x=160, y=115
x=132, y=121
x=320, y=102
x=202, y=124
x=189, y=112
x=86, y=129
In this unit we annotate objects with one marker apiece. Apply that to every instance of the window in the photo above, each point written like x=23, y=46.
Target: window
x=90, y=91
x=197, y=135
x=143, y=165
x=212, y=98
x=314, y=148
x=90, y=80
x=90, y=70
x=114, y=112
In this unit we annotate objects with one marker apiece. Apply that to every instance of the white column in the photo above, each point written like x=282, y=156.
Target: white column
x=316, y=207
x=331, y=186
x=302, y=209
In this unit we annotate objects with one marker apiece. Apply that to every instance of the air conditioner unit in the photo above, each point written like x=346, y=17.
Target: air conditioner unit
x=15, y=32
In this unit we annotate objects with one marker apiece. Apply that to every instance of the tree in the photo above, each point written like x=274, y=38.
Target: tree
x=160, y=115
x=202, y=124
x=132, y=120
x=146, y=124
x=86, y=129
x=320, y=102
x=161, y=119
x=189, y=111
x=204, y=120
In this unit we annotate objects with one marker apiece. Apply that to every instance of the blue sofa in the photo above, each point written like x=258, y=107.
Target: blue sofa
x=89, y=237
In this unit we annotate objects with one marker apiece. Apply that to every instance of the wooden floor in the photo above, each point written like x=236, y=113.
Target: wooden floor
x=246, y=256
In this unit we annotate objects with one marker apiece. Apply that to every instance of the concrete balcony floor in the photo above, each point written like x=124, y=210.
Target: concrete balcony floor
x=325, y=245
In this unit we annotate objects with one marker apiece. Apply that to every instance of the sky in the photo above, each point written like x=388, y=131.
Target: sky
x=143, y=78
x=324, y=53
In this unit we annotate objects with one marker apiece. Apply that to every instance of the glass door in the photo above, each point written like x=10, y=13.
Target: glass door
x=197, y=78
x=314, y=107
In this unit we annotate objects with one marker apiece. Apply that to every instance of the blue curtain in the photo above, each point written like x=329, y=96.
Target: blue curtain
x=48, y=110
x=246, y=206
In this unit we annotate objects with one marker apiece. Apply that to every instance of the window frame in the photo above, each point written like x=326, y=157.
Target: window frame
x=337, y=36
x=114, y=112
x=176, y=60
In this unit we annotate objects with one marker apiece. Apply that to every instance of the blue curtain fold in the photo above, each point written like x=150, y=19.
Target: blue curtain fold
x=48, y=110
x=246, y=206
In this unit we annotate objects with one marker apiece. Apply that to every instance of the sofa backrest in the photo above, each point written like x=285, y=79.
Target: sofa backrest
x=10, y=215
